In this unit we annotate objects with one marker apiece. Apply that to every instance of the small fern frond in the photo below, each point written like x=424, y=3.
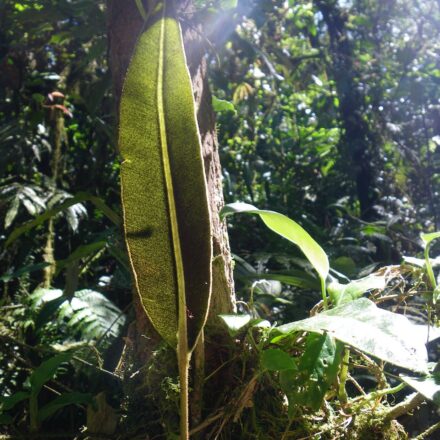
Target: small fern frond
x=89, y=315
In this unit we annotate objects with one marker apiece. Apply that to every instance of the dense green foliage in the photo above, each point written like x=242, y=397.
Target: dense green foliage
x=327, y=112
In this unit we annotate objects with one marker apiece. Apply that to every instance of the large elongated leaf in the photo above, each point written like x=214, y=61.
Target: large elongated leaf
x=23, y=271
x=164, y=197
x=72, y=398
x=385, y=335
x=8, y=402
x=288, y=229
x=46, y=371
x=80, y=252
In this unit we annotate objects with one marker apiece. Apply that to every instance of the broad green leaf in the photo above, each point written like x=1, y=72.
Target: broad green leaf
x=47, y=311
x=221, y=105
x=164, y=195
x=343, y=293
x=317, y=370
x=361, y=324
x=235, y=323
x=80, y=252
x=288, y=229
x=346, y=265
x=23, y=271
x=428, y=386
x=8, y=402
x=80, y=197
x=274, y=359
x=40, y=296
x=46, y=371
x=427, y=238
x=72, y=398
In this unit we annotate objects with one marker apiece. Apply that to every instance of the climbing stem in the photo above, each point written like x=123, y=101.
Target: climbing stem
x=342, y=392
x=324, y=294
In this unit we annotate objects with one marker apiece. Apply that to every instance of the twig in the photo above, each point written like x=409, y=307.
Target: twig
x=206, y=423
x=378, y=394
x=356, y=384
x=219, y=368
x=412, y=402
x=429, y=431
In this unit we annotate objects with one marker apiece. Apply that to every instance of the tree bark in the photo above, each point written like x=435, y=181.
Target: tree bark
x=359, y=143
x=124, y=26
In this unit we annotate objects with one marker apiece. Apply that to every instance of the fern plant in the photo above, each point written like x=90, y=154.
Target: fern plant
x=88, y=315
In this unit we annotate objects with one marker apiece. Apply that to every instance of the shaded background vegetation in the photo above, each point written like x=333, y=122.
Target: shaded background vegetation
x=328, y=112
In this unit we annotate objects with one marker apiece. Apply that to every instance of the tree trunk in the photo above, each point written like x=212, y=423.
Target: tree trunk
x=359, y=143
x=124, y=26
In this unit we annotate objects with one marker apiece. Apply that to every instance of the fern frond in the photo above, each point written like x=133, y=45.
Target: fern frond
x=89, y=315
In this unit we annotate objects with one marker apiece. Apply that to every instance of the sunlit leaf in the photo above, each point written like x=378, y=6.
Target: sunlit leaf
x=343, y=293
x=237, y=323
x=288, y=229
x=274, y=359
x=221, y=105
x=12, y=212
x=427, y=238
x=361, y=324
x=428, y=386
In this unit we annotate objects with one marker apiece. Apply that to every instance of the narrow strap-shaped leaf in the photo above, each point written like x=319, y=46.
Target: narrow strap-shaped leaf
x=288, y=229
x=164, y=196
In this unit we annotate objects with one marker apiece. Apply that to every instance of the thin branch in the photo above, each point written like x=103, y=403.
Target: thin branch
x=410, y=403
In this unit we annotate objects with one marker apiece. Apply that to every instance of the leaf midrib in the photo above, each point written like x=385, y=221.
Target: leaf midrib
x=182, y=324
